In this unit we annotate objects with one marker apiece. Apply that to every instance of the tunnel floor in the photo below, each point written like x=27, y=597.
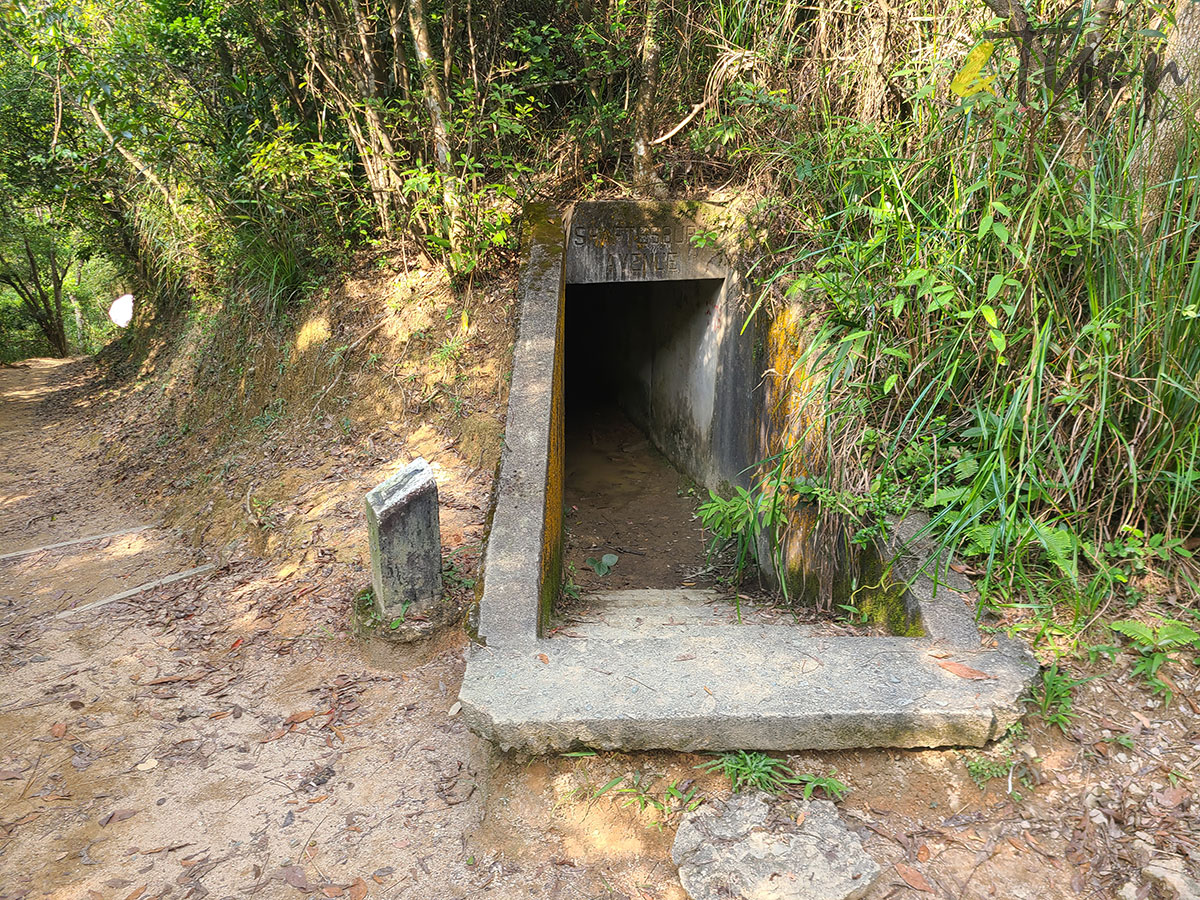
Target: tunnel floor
x=623, y=497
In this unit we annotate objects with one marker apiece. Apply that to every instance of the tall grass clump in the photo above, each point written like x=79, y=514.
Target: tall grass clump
x=1002, y=323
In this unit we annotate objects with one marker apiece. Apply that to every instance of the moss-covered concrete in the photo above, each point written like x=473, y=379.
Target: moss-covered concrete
x=523, y=561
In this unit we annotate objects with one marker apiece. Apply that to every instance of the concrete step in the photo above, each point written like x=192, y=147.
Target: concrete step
x=639, y=613
x=756, y=687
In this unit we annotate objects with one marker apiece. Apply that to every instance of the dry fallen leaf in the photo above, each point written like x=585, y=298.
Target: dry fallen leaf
x=9, y=774
x=957, y=668
x=294, y=875
x=58, y=730
x=275, y=735
x=137, y=892
x=332, y=890
x=117, y=815
x=358, y=890
x=297, y=717
x=1171, y=797
x=544, y=658
x=913, y=878
x=923, y=853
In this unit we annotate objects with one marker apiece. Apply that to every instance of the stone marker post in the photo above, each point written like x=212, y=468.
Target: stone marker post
x=406, y=552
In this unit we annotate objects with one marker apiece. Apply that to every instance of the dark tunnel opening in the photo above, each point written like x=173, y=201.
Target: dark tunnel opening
x=639, y=374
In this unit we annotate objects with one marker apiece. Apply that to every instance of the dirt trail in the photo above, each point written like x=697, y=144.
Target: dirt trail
x=227, y=736
x=195, y=739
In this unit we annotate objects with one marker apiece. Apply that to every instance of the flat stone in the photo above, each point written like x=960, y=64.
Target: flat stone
x=406, y=553
x=614, y=614
x=735, y=687
x=742, y=849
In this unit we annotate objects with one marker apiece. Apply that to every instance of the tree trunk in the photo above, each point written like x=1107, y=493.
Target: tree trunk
x=78, y=321
x=37, y=302
x=435, y=101
x=1173, y=90
x=645, y=179
x=374, y=147
x=399, y=57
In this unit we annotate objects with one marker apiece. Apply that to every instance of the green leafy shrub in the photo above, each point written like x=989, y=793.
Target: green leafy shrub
x=1156, y=645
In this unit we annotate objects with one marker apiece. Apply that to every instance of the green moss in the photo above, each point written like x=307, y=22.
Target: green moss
x=884, y=605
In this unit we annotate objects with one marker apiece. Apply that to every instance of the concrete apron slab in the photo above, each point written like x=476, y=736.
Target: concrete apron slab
x=749, y=687
x=697, y=687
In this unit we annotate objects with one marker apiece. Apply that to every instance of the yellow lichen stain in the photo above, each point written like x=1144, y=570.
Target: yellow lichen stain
x=552, y=512
x=794, y=427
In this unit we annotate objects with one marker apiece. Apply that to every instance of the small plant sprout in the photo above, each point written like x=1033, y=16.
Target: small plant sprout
x=1001, y=761
x=1052, y=698
x=752, y=769
x=399, y=620
x=757, y=771
x=364, y=604
x=636, y=790
x=603, y=565
x=833, y=788
x=852, y=615
x=1155, y=645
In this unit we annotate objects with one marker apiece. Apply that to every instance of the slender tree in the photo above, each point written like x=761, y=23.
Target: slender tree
x=32, y=266
x=644, y=176
x=1172, y=100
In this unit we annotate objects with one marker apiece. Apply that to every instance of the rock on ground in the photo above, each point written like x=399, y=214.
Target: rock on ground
x=1171, y=877
x=743, y=848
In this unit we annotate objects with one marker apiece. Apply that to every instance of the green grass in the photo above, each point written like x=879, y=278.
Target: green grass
x=1003, y=337
x=753, y=770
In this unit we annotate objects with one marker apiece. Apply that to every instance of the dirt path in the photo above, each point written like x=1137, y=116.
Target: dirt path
x=225, y=735
x=194, y=739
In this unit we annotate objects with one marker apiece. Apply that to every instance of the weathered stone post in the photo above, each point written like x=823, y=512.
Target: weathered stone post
x=406, y=552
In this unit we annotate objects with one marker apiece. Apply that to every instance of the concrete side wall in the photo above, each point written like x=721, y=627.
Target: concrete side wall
x=702, y=383
x=523, y=561
x=672, y=353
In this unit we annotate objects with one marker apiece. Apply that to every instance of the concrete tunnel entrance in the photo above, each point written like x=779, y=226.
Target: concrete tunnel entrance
x=640, y=385
x=646, y=668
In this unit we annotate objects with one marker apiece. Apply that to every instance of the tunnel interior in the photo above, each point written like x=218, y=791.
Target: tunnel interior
x=640, y=368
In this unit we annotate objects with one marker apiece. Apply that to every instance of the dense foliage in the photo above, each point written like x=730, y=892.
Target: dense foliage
x=987, y=212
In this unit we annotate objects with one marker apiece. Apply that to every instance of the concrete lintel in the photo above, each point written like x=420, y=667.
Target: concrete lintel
x=523, y=560
x=631, y=240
